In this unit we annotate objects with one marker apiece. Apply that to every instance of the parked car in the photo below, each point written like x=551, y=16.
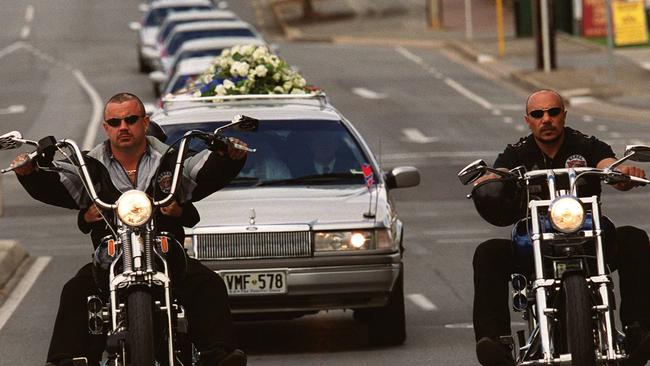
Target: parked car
x=289, y=236
x=192, y=17
x=207, y=29
x=154, y=14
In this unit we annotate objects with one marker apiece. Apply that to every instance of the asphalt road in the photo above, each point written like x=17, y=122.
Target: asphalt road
x=421, y=107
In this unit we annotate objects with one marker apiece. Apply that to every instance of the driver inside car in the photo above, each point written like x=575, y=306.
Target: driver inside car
x=552, y=145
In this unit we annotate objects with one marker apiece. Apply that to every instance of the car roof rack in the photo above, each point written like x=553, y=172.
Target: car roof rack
x=320, y=96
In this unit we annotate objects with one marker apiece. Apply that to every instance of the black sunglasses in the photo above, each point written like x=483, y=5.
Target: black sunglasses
x=539, y=113
x=114, y=122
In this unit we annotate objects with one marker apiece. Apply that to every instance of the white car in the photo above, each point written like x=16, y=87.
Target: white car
x=155, y=13
x=192, y=17
x=197, y=48
x=186, y=71
x=191, y=31
x=290, y=238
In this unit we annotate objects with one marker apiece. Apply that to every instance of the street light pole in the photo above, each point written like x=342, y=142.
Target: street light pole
x=546, y=37
x=610, y=42
x=469, y=26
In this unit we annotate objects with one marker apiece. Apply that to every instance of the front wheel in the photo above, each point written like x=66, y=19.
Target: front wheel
x=576, y=321
x=387, y=325
x=140, y=348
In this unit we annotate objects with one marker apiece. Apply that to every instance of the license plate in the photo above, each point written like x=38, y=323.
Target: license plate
x=245, y=283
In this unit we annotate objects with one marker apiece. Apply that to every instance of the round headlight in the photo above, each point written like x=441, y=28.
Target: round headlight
x=134, y=208
x=567, y=214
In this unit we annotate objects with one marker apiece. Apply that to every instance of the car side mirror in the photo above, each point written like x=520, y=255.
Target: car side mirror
x=135, y=26
x=402, y=177
x=144, y=7
x=157, y=77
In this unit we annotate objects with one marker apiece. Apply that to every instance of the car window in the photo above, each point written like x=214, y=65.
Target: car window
x=292, y=152
x=195, y=53
x=169, y=26
x=178, y=38
x=158, y=15
x=180, y=82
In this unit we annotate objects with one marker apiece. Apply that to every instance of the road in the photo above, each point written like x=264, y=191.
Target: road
x=421, y=107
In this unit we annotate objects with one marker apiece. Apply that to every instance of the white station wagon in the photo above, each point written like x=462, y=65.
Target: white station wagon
x=292, y=235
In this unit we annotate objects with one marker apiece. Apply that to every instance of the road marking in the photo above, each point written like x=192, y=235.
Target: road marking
x=468, y=94
x=421, y=301
x=22, y=288
x=13, y=109
x=587, y=118
x=95, y=117
x=601, y=128
x=615, y=135
x=508, y=119
x=415, y=135
x=29, y=13
x=520, y=128
x=11, y=48
x=439, y=154
x=24, y=33
x=581, y=100
x=496, y=112
x=411, y=56
x=368, y=94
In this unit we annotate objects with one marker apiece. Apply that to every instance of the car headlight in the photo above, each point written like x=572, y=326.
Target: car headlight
x=343, y=240
x=134, y=208
x=567, y=214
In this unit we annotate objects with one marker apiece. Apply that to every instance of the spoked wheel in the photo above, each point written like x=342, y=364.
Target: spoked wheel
x=140, y=350
x=576, y=322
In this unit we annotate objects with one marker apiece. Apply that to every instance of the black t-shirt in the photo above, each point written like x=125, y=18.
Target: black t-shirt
x=577, y=150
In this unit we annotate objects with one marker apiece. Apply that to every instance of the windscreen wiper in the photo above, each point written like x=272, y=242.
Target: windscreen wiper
x=315, y=178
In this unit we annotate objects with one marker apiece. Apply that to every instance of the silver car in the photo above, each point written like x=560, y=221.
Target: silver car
x=309, y=223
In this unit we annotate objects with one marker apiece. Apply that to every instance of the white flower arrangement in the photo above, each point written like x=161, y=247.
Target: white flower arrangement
x=249, y=69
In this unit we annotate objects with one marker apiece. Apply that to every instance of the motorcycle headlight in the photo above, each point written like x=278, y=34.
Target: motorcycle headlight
x=134, y=208
x=343, y=240
x=567, y=214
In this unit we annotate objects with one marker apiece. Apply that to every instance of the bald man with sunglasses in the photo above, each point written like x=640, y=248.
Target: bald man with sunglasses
x=552, y=145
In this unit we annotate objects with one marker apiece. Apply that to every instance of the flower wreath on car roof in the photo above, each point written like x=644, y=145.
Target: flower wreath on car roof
x=249, y=69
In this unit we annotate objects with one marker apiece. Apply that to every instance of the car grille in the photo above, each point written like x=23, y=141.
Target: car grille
x=254, y=245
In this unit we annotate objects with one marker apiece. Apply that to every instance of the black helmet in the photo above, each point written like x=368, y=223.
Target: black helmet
x=500, y=202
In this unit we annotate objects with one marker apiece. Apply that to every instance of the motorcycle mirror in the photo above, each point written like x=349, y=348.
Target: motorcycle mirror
x=11, y=140
x=640, y=153
x=472, y=172
x=241, y=123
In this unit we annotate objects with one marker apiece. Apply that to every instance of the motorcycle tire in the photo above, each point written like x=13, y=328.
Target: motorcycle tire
x=576, y=322
x=140, y=348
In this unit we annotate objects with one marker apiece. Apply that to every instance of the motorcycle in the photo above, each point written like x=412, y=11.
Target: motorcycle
x=561, y=285
x=137, y=262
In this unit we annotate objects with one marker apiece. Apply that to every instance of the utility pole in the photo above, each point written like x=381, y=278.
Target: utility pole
x=469, y=26
x=545, y=35
x=500, y=32
x=434, y=13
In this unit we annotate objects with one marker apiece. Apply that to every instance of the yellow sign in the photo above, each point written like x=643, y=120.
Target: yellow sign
x=629, y=22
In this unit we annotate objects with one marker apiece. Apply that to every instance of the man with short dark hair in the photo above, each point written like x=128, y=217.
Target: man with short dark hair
x=551, y=145
x=127, y=160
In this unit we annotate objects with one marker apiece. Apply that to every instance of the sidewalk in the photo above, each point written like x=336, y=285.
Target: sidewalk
x=585, y=74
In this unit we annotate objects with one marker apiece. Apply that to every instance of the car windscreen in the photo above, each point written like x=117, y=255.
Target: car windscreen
x=169, y=26
x=291, y=152
x=158, y=15
x=179, y=37
x=180, y=82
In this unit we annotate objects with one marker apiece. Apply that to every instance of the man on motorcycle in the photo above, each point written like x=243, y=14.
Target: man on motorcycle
x=552, y=145
x=128, y=159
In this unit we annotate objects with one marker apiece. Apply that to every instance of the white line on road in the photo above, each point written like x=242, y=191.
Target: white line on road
x=13, y=109
x=11, y=48
x=468, y=94
x=421, y=301
x=368, y=94
x=411, y=56
x=415, y=135
x=24, y=33
x=507, y=119
x=601, y=128
x=29, y=13
x=439, y=154
x=95, y=117
x=587, y=118
x=22, y=288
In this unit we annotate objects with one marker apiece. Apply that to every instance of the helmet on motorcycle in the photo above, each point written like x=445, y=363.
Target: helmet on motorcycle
x=500, y=201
